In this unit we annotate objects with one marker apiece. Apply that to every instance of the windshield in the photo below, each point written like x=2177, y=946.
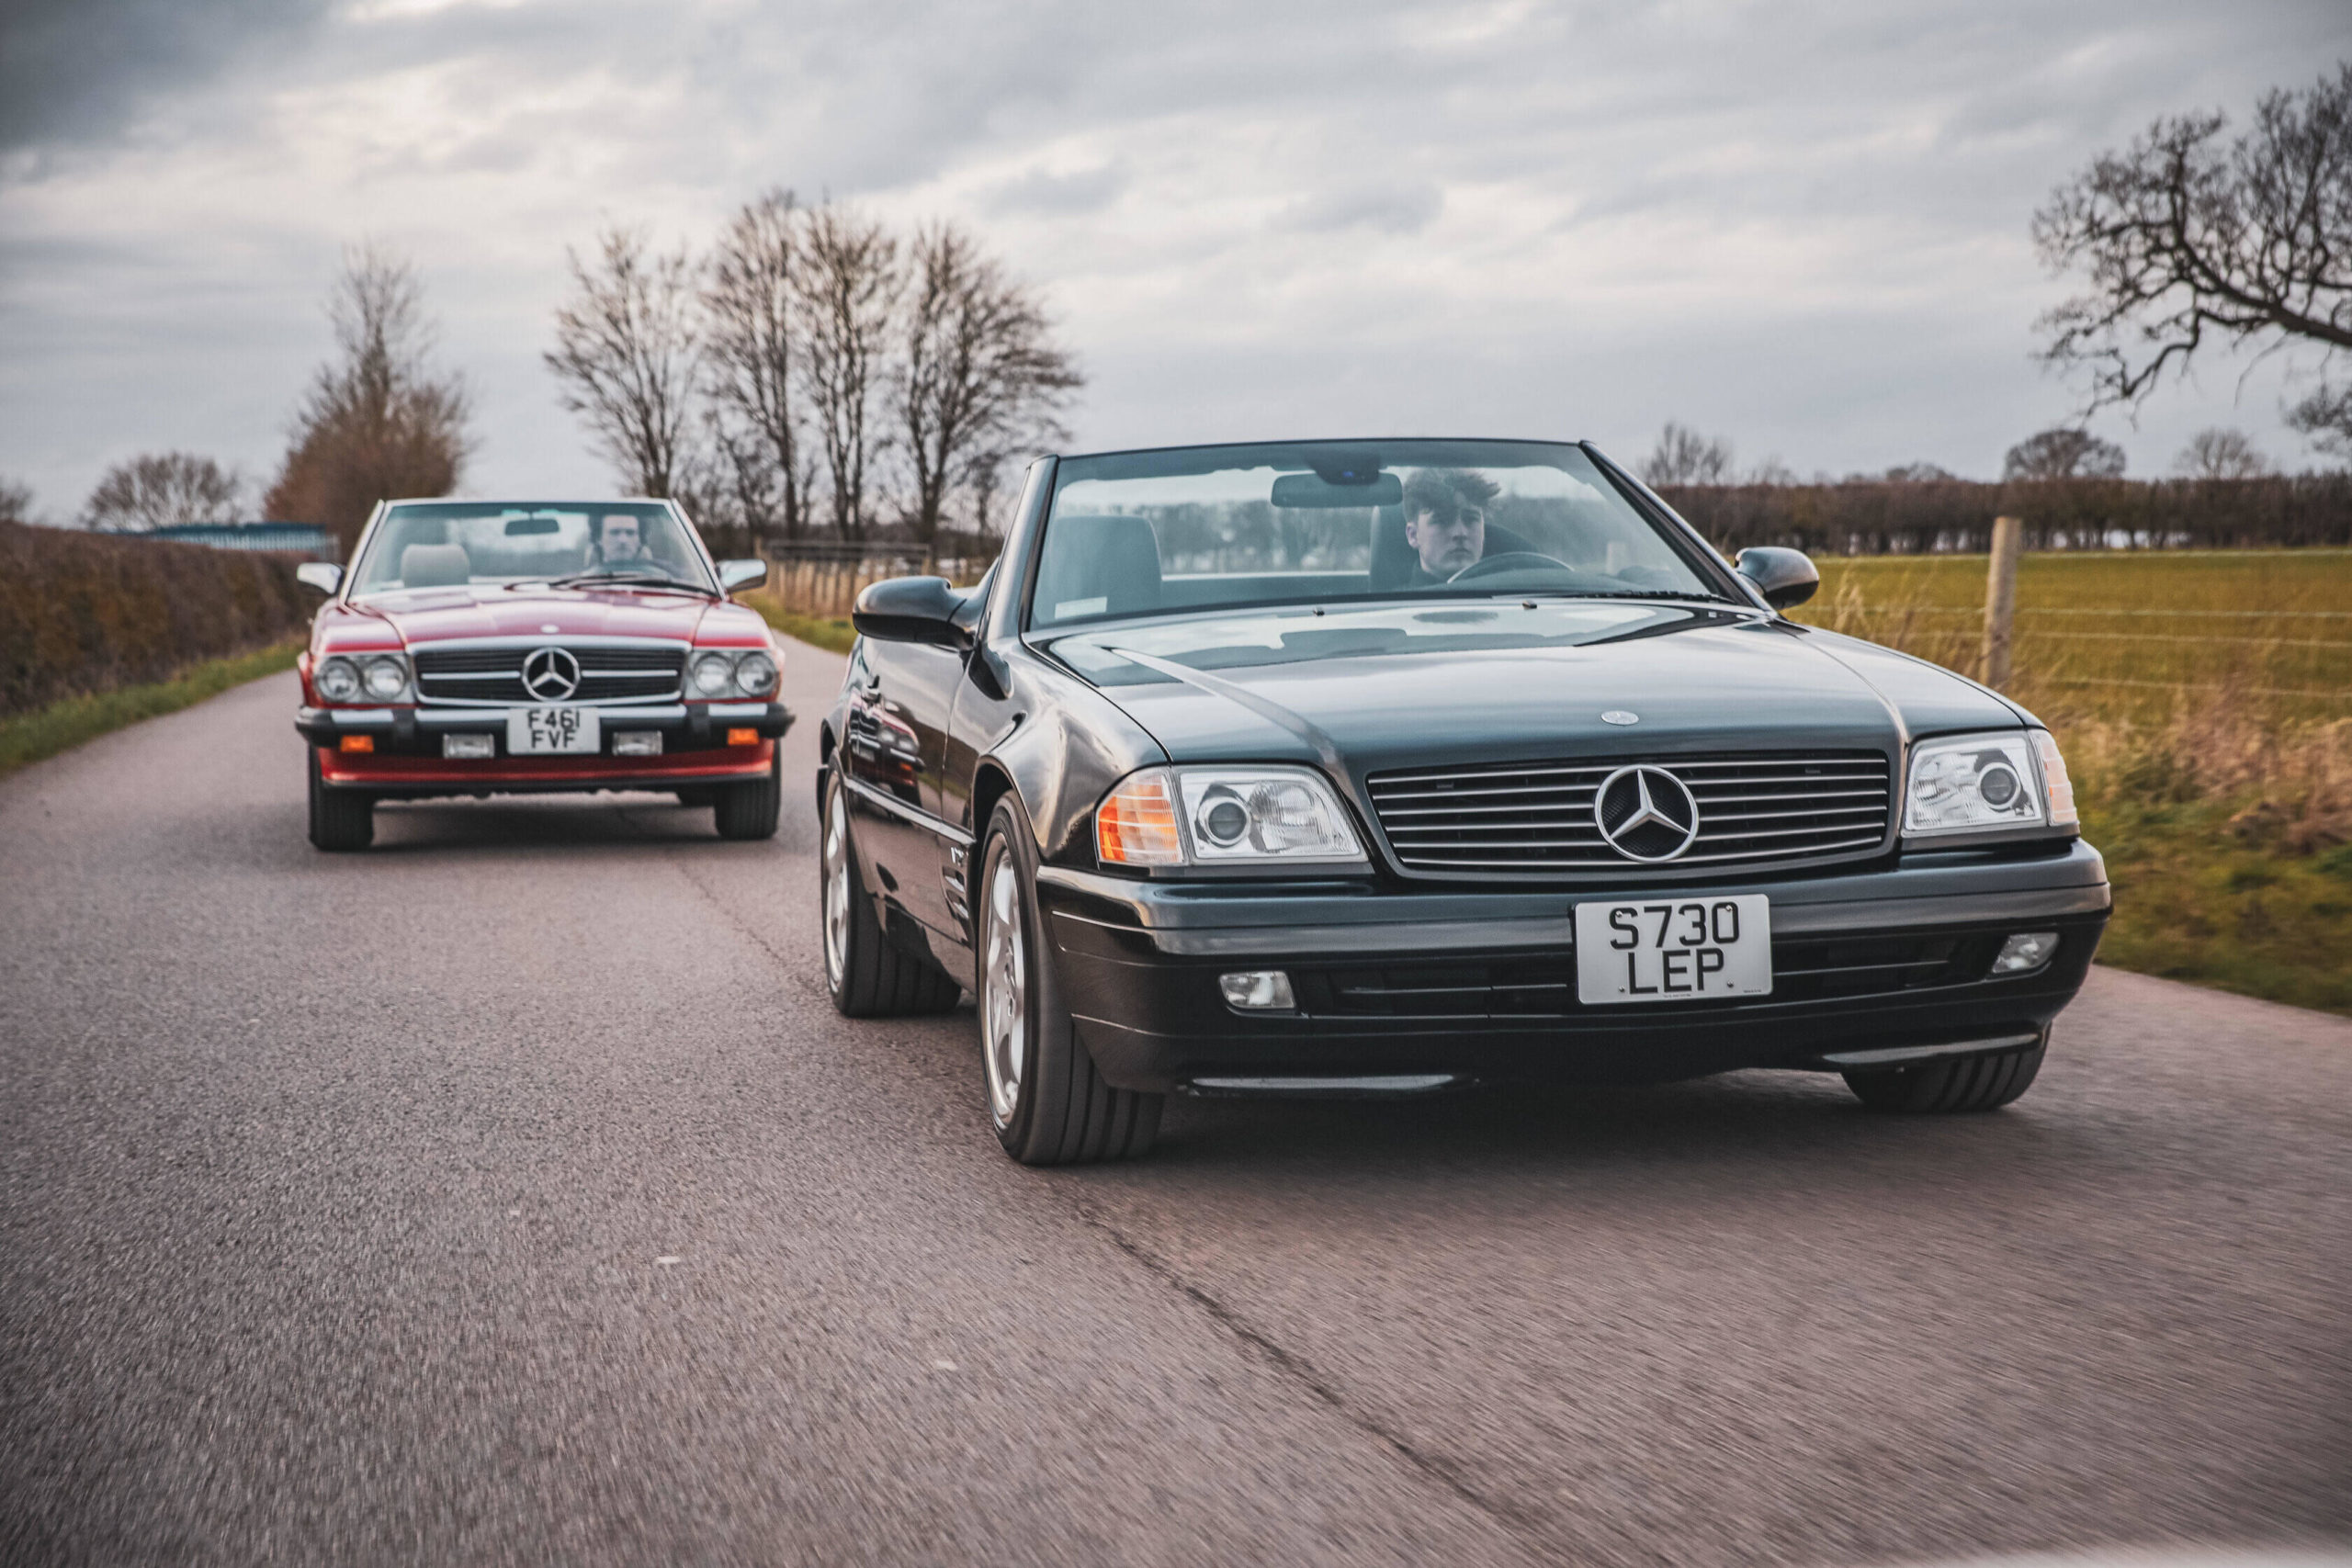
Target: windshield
x=1201, y=528
x=448, y=544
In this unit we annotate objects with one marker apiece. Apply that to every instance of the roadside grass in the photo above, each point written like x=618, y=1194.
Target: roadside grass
x=28, y=738
x=2204, y=703
x=819, y=631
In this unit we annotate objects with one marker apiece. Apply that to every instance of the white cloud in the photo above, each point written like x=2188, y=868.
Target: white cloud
x=1804, y=230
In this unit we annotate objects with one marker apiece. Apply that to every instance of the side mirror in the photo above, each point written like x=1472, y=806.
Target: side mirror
x=911, y=609
x=1785, y=577
x=322, y=575
x=734, y=575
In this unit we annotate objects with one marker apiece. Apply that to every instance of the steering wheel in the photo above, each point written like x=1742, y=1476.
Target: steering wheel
x=1509, y=560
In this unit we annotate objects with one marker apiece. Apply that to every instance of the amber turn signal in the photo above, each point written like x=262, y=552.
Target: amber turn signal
x=358, y=743
x=1137, y=825
x=742, y=737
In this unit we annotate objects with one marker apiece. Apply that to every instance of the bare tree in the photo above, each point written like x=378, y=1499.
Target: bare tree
x=2183, y=235
x=628, y=354
x=158, y=490
x=1684, y=457
x=978, y=373
x=2062, y=455
x=2220, y=455
x=2326, y=417
x=845, y=288
x=754, y=354
x=378, y=422
x=16, y=502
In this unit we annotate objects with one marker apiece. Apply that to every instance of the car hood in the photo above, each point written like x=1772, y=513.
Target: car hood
x=442, y=615
x=1405, y=685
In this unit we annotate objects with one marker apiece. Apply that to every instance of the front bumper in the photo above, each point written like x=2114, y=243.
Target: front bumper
x=405, y=756
x=1460, y=987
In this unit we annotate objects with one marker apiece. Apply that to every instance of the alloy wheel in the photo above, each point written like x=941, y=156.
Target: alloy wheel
x=1004, y=1009
x=836, y=893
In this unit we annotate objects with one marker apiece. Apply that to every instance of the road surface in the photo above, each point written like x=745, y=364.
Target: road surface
x=511, y=1193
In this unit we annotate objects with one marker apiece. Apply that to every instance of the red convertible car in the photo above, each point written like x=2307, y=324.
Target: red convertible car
x=479, y=647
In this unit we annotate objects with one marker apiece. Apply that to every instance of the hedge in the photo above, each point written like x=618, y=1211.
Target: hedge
x=82, y=614
x=1867, y=518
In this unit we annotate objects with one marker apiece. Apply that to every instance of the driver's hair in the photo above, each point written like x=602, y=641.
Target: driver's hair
x=1447, y=490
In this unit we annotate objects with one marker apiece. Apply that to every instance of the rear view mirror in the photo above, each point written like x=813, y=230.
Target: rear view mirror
x=740, y=574
x=1785, y=577
x=532, y=526
x=1307, y=491
x=911, y=609
x=322, y=575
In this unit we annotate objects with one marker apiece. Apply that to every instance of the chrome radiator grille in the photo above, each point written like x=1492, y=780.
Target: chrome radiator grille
x=495, y=675
x=1518, y=817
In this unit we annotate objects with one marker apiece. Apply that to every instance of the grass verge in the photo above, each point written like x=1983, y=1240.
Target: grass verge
x=815, y=630
x=44, y=732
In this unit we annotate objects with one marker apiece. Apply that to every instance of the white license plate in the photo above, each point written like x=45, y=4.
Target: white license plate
x=1674, y=950
x=539, y=732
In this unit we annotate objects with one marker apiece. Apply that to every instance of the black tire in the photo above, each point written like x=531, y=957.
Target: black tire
x=1044, y=1096
x=1953, y=1083
x=340, y=820
x=866, y=975
x=750, y=810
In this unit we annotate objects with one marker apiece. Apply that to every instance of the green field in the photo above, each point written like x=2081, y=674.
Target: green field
x=2204, y=703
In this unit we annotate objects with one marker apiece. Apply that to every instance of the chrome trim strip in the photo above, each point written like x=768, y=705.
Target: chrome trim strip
x=900, y=809
x=474, y=717
x=739, y=710
x=1892, y=1056
x=362, y=715
x=543, y=639
x=1865, y=916
x=1390, y=1083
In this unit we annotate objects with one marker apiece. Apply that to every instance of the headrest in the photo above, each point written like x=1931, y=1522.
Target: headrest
x=436, y=566
x=1115, y=560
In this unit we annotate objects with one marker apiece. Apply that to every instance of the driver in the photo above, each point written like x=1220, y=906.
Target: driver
x=620, y=540
x=1445, y=522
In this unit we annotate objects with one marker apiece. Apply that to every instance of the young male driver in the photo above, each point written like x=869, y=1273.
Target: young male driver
x=1445, y=522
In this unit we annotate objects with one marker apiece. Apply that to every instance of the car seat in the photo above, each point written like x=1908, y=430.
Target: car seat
x=436, y=566
x=1112, y=559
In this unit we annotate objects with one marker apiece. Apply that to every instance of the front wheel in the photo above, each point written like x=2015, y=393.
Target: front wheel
x=1045, y=1097
x=1953, y=1083
x=750, y=810
x=340, y=820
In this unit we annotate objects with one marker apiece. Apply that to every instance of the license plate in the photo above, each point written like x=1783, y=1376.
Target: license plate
x=1676, y=950
x=539, y=732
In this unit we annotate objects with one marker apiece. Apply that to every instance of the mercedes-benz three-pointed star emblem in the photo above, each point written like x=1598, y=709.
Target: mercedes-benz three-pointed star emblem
x=550, y=674
x=1646, y=814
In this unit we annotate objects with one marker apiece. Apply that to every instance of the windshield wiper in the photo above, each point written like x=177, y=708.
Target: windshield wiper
x=634, y=579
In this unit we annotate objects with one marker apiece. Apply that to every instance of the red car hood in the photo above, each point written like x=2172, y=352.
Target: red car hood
x=440, y=614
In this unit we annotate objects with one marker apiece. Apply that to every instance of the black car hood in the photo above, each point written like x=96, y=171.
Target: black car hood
x=1388, y=686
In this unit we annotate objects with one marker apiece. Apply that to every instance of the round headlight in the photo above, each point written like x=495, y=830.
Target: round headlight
x=755, y=673
x=1999, y=785
x=713, y=673
x=1222, y=818
x=385, y=679
x=336, y=680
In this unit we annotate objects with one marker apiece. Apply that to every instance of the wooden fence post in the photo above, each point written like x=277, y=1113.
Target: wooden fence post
x=2001, y=601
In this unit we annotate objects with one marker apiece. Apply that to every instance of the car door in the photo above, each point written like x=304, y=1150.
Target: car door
x=901, y=694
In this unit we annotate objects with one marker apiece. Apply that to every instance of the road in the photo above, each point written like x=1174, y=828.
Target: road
x=511, y=1193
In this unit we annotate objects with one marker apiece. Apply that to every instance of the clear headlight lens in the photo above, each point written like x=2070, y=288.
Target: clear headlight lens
x=1969, y=782
x=337, y=680
x=386, y=678
x=756, y=674
x=1224, y=816
x=713, y=674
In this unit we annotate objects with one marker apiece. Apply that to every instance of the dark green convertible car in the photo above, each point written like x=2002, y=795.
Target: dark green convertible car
x=1389, y=766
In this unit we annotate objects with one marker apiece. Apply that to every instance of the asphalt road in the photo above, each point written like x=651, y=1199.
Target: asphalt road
x=511, y=1193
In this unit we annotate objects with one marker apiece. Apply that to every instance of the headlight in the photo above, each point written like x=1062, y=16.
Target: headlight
x=337, y=680
x=714, y=673
x=386, y=678
x=1970, y=783
x=1224, y=816
x=755, y=673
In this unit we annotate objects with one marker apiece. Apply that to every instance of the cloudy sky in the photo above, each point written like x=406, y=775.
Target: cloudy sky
x=1800, y=227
